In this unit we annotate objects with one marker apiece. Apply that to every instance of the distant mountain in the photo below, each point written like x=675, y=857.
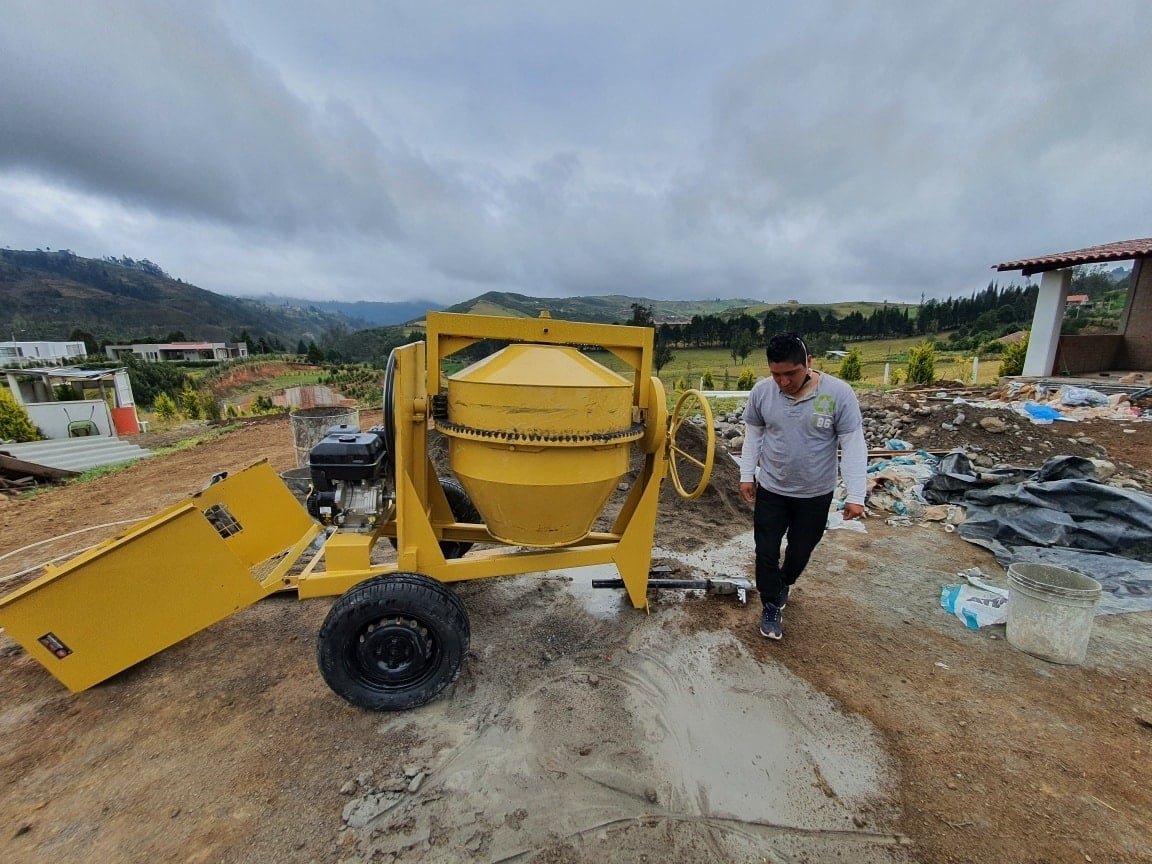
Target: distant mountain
x=48, y=295
x=618, y=307
x=361, y=313
x=610, y=308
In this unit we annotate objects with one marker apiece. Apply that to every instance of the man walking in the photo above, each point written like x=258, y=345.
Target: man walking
x=795, y=422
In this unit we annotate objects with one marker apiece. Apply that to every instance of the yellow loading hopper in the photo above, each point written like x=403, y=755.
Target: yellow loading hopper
x=539, y=437
x=164, y=579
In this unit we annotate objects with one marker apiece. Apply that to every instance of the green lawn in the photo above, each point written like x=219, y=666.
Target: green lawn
x=691, y=364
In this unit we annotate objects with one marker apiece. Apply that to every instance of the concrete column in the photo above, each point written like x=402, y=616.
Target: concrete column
x=1045, y=336
x=14, y=386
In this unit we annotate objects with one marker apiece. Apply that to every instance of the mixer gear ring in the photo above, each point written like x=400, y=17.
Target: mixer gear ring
x=677, y=456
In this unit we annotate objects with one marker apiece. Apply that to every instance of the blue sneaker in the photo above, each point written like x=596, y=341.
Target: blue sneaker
x=782, y=597
x=770, y=622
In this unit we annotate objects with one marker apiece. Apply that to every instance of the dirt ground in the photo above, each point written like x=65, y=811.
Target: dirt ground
x=581, y=730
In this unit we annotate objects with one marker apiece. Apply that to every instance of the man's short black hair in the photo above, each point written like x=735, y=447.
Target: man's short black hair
x=787, y=348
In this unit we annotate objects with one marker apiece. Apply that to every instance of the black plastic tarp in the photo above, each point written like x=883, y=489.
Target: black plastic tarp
x=1056, y=515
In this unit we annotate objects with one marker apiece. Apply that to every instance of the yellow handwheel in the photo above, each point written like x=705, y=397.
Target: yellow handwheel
x=678, y=458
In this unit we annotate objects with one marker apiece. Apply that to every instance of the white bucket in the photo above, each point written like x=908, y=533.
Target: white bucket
x=1050, y=612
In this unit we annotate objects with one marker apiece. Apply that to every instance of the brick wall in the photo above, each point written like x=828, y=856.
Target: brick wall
x=1130, y=350
x=1138, y=334
x=1095, y=353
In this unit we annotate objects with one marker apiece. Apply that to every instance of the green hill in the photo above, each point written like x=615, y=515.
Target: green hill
x=607, y=308
x=48, y=295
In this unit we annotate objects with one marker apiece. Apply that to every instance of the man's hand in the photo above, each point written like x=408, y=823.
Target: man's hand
x=748, y=493
x=853, y=511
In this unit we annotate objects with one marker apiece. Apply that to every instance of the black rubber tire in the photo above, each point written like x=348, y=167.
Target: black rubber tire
x=393, y=642
x=389, y=407
x=464, y=511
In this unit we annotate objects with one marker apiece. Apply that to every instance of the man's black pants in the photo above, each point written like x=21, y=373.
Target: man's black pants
x=803, y=520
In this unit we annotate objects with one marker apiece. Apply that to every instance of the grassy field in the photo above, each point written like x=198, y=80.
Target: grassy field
x=687, y=367
x=691, y=364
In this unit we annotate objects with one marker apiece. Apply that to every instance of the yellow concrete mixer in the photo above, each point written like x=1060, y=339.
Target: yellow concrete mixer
x=539, y=436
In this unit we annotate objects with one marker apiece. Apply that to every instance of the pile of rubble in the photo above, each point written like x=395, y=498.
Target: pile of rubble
x=908, y=430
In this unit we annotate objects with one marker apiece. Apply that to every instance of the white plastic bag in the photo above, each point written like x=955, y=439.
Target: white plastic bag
x=976, y=607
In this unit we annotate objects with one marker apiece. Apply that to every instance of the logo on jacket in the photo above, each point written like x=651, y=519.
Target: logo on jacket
x=823, y=411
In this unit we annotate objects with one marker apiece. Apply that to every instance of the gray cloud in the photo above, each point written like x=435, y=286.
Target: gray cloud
x=816, y=151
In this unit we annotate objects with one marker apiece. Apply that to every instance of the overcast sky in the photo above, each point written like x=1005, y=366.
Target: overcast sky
x=378, y=150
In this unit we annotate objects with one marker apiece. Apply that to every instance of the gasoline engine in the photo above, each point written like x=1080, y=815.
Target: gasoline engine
x=351, y=487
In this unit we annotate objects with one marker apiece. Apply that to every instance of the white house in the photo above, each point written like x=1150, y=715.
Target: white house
x=55, y=353
x=157, y=352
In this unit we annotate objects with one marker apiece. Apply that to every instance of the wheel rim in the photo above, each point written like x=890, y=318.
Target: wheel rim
x=394, y=653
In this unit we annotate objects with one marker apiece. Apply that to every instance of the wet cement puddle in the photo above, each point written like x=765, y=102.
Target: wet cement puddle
x=679, y=743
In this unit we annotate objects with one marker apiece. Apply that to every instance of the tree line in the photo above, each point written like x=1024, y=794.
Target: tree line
x=995, y=310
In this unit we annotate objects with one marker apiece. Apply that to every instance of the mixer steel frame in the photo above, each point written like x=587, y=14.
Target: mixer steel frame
x=422, y=517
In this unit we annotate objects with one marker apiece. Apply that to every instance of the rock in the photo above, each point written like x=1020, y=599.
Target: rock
x=1104, y=468
x=411, y=770
x=921, y=431
x=960, y=418
x=1086, y=440
x=993, y=424
x=360, y=811
x=348, y=788
x=414, y=786
x=736, y=444
x=947, y=427
x=1124, y=483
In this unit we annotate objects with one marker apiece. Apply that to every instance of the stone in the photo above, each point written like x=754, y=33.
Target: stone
x=993, y=424
x=359, y=812
x=1104, y=468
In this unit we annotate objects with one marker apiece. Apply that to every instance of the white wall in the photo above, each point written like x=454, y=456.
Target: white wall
x=52, y=418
